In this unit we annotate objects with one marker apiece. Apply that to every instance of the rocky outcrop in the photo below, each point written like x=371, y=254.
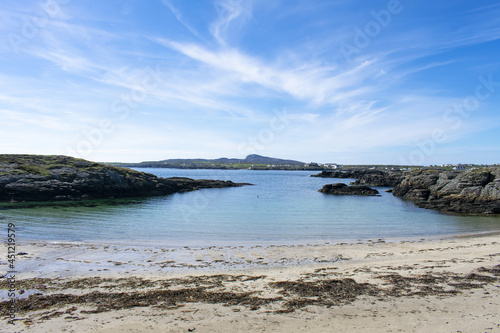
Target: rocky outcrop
x=467, y=192
x=337, y=174
x=379, y=178
x=471, y=192
x=42, y=178
x=343, y=189
x=368, y=177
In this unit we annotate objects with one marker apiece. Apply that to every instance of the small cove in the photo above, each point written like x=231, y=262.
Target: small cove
x=282, y=207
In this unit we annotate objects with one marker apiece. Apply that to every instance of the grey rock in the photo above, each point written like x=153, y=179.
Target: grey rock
x=368, y=177
x=343, y=189
x=468, y=192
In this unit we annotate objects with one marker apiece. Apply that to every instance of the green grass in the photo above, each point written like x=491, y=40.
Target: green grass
x=34, y=169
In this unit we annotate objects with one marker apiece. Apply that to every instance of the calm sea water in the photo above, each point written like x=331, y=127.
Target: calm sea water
x=281, y=207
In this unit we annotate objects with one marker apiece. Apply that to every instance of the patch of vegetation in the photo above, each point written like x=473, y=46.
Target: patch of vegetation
x=12, y=172
x=34, y=169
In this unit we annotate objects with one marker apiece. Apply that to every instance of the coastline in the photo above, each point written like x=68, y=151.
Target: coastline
x=251, y=243
x=448, y=284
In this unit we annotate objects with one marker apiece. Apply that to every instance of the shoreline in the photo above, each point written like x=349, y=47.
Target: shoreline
x=65, y=259
x=448, y=285
x=250, y=243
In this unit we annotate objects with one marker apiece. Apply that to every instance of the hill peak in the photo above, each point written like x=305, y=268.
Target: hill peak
x=259, y=159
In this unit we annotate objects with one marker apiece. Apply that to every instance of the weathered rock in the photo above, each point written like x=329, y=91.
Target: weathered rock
x=417, y=194
x=419, y=180
x=336, y=174
x=343, y=189
x=368, y=177
x=469, y=192
x=42, y=178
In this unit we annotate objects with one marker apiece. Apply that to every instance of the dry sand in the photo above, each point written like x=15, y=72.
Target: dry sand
x=448, y=285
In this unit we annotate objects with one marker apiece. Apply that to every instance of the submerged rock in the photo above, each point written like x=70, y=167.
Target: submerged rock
x=44, y=178
x=343, y=189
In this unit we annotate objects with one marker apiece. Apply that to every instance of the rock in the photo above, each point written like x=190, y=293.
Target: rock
x=343, y=189
x=381, y=178
x=468, y=192
x=422, y=179
x=368, y=177
x=417, y=194
x=336, y=174
x=42, y=178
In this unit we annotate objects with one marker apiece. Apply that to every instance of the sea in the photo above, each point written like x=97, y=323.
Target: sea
x=281, y=207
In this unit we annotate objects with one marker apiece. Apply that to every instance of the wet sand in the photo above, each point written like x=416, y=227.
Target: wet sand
x=449, y=285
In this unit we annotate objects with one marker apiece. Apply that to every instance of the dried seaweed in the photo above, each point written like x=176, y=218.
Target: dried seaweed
x=98, y=295
x=325, y=292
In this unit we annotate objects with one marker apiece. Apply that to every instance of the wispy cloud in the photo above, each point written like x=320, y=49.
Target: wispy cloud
x=226, y=72
x=180, y=18
x=231, y=15
x=317, y=84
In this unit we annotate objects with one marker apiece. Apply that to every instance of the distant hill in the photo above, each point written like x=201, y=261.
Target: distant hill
x=258, y=159
x=251, y=161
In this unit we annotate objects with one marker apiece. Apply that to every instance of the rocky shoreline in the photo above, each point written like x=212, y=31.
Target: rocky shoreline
x=469, y=192
x=464, y=192
x=58, y=178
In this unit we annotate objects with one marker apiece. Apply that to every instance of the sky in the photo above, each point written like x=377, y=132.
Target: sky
x=339, y=81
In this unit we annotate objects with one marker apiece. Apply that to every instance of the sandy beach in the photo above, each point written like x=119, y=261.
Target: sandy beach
x=445, y=285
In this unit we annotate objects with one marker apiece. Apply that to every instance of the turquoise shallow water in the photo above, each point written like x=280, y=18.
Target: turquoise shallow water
x=282, y=207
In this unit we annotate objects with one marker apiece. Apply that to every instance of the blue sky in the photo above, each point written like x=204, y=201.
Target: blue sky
x=344, y=81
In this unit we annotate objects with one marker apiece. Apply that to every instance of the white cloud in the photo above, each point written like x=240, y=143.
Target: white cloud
x=180, y=18
x=229, y=13
x=314, y=84
x=220, y=90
